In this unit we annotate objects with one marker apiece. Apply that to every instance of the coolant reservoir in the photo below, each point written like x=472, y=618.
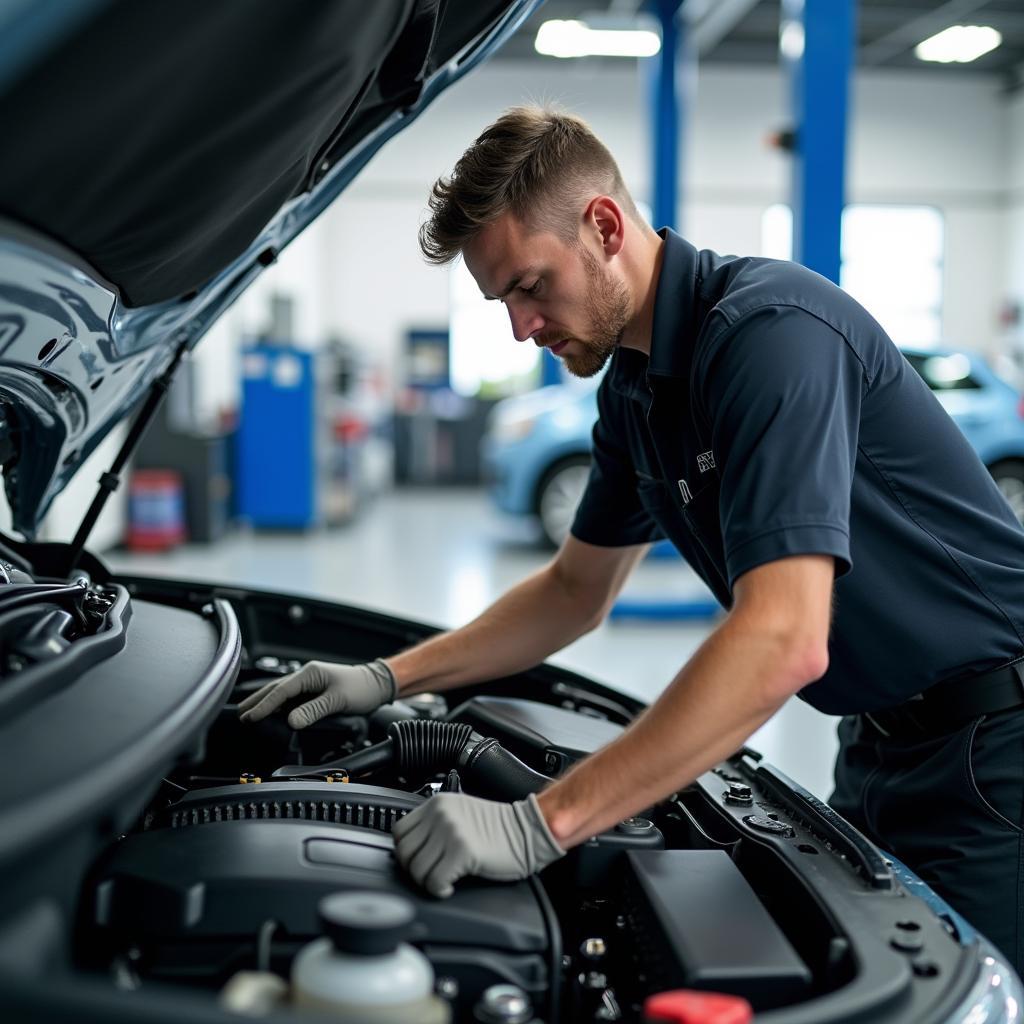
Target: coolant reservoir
x=362, y=966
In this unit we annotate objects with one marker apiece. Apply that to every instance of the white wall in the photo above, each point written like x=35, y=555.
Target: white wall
x=1012, y=278
x=924, y=138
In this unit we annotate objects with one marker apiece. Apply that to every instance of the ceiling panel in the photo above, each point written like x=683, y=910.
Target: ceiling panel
x=887, y=32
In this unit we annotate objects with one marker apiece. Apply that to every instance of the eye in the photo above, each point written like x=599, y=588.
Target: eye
x=533, y=289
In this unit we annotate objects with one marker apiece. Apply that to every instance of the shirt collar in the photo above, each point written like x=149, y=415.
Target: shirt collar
x=672, y=333
x=675, y=306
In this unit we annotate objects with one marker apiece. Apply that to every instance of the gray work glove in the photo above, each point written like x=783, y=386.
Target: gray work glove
x=453, y=835
x=339, y=689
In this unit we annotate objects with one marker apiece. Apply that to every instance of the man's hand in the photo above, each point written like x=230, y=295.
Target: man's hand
x=340, y=689
x=453, y=835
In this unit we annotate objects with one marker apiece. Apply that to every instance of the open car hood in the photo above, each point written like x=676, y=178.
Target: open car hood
x=158, y=157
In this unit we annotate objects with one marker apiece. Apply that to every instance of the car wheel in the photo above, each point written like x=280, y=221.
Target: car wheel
x=558, y=495
x=1009, y=478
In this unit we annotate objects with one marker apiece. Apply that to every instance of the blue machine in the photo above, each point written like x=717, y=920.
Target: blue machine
x=276, y=452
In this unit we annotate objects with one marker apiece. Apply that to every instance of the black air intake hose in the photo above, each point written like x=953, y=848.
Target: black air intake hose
x=489, y=770
x=424, y=747
x=485, y=767
x=418, y=746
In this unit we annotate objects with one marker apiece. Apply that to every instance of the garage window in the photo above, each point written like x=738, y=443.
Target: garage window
x=891, y=264
x=944, y=373
x=485, y=356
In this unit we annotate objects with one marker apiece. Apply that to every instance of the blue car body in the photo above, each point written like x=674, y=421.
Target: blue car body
x=985, y=407
x=555, y=424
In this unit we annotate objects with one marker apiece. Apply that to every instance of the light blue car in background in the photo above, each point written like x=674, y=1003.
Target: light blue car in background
x=537, y=447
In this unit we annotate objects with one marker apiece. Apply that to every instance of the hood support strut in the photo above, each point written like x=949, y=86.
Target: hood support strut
x=110, y=480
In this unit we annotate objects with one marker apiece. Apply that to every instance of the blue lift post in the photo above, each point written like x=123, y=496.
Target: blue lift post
x=550, y=369
x=666, y=111
x=818, y=39
x=670, y=75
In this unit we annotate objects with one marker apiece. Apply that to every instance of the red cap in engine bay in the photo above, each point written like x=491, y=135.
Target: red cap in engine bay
x=684, y=1006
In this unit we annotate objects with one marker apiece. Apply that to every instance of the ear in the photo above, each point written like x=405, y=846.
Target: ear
x=605, y=223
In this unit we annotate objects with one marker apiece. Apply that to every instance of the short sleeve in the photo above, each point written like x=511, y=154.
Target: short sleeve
x=610, y=513
x=783, y=392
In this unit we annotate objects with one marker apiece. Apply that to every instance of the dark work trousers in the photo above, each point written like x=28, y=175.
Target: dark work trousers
x=950, y=805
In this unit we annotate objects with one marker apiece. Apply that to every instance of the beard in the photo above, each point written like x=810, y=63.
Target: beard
x=608, y=311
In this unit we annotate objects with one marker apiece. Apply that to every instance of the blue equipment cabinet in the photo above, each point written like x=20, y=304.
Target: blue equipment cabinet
x=276, y=460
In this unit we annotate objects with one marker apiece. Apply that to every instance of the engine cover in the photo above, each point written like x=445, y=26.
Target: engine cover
x=193, y=894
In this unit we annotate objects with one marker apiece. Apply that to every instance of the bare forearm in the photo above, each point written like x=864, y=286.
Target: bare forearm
x=521, y=629
x=732, y=685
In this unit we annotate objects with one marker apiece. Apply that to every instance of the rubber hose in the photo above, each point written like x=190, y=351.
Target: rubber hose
x=491, y=771
x=420, y=746
x=425, y=747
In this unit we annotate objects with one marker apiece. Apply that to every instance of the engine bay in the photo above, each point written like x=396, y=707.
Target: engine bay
x=216, y=852
x=225, y=872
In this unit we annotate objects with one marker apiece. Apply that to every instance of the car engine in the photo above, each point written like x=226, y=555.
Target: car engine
x=226, y=873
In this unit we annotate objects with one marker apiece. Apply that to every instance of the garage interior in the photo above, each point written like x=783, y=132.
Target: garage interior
x=256, y=450
x=372, y=488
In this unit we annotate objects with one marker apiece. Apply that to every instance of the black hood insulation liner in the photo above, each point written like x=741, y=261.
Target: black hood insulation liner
x=160, y=138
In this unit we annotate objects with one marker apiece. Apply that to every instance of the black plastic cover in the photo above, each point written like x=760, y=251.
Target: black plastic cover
x=159, y=139
x=696, y=923
x=93, y=751
x=194, y=123
x=226, y=878
x=36, y=682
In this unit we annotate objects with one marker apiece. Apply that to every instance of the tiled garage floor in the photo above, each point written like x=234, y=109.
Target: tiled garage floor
x=442, y=556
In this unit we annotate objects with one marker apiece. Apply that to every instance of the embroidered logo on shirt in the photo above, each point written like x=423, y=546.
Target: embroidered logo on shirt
x=684, y=490
x=706, y=461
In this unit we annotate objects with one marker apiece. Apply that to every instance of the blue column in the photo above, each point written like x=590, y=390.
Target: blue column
x=550, y=369
x=818, y=39
x=667, y=112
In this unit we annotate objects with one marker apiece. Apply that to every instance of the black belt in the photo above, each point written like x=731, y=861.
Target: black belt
x=956, y=701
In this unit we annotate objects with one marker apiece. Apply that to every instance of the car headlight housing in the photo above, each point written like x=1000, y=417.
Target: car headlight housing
x=996, y=996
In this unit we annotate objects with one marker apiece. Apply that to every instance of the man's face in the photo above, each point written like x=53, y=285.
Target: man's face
x=557, y=295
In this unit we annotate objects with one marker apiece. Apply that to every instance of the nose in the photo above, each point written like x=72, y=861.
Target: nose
x=525, y=322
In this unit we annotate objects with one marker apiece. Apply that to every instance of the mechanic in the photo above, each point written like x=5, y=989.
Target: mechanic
x=760, y=419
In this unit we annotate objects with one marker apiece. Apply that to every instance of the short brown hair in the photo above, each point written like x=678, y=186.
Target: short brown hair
x=537, y=162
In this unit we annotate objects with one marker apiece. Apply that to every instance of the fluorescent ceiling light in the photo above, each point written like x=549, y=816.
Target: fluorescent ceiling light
x=578, y=39
x=959, y=44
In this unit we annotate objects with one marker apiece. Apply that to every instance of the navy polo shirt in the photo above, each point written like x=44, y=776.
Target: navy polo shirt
x=775, y=417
